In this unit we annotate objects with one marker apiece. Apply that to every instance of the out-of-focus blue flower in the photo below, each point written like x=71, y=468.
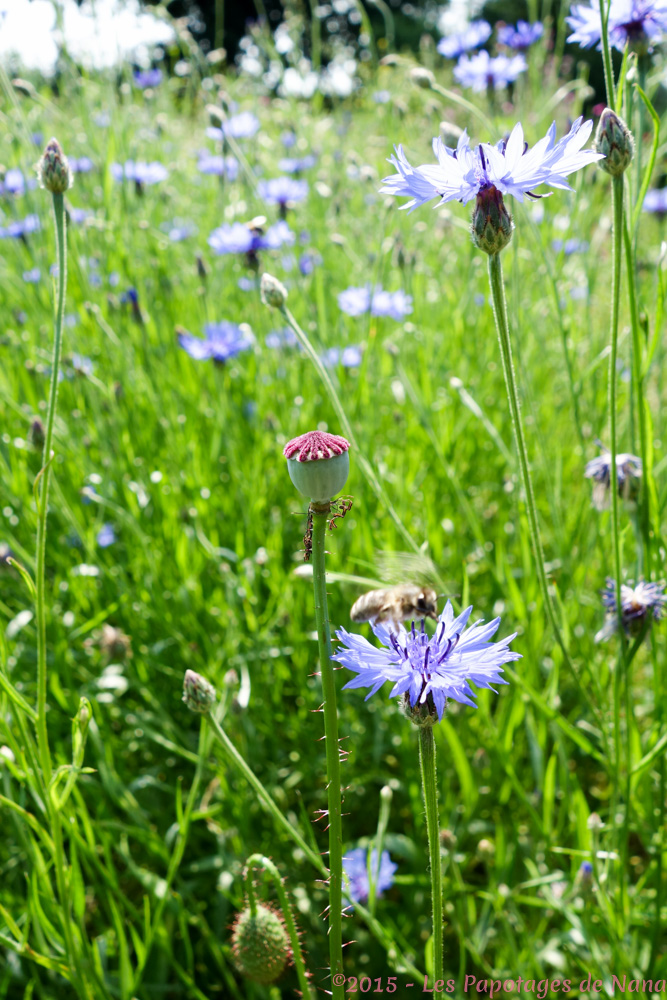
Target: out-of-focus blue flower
x=426, y=670
x=247, y=284
x=355, y=301
x=381, y=97
x=478, y=299
x=241, y=126
x=656, y=201
x=219, y=166
x=579, y=293
x=638, y=23
x=14, y=182
x=355, y=866
x=509, y=167
x=628, y=474
x=79, y=215
x=130, y=297
x=288, y=139
x=81, y=365
x=33, y=276
x=145, y=78
x=106, y=536
x=281, y=338
x=237, y=238
x=521, y=37
x=221, y=341
x=481, y=71
x=101, y=120
x=281, y=190
x=397, y=305
x=71, y=319
x=81, y=165
x=140, y=172
x=471, y=37
x=296, y=164
x=308, y=262
x=639, y=603
x=178, y=230
x=348, y=357
x=37, y=139
x=570, y=246
x=21, y=228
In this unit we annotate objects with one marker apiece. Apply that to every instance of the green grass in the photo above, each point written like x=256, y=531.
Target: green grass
x=201, y=575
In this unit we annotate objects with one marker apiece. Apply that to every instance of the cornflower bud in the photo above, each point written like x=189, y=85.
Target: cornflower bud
x=272, y=291
x=260, y=944
x=53, y=169
x=198, y=694
x=491, y=222
x=422, y=77
x=318, y=464
x=614, y=140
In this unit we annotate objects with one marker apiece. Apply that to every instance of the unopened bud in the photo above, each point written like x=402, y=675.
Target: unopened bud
x=614, y=140
x=491, y=222
x=53, y=169
x=36, y=435
x=198, y=694
x=272, y=291
x=260, y=944
x=318, y=464
x=422, y=77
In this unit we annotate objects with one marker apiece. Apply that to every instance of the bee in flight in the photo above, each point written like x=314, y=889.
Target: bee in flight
x=396, y=604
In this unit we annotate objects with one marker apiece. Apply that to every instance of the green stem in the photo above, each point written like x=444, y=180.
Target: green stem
x=320, y=520
x=606, y=55
x=502, y=326
x=43, y=504
x=427, y=761
x=268, y=865
x=620, y=674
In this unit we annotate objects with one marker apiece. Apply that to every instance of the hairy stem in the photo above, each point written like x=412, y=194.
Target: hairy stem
x=430, y=788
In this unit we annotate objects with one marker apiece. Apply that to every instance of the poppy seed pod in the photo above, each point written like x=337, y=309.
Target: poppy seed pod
x=260, y=944
x=318, y=464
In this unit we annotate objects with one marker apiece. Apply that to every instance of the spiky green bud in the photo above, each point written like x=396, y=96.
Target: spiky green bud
x=272, y=291
x=614, y=140
x=260, y=944
x=198, y=694
x=491, y=222
x=53, y=169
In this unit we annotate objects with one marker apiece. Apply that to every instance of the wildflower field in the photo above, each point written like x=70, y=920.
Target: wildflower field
x=210, y=262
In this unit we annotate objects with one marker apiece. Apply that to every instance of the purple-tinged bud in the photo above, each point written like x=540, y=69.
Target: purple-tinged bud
x=53, y=169
x=272, y=292
x=260, y=944
x=36, y=435
x=614, y=140
x=491, y=222
x=318, y=464
x=198, y=694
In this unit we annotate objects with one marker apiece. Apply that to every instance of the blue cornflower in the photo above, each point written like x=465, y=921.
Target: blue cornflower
x=33, y=276
x=130, y=297
x=570, y=246
x=79, y=215
x=178, y=230
x=398, y=305
x=381, y=96
x=140, y=172
x=355, y=301
x=628, y=474
x=656, y=201
x=521, y=37
x=82, y=365
x=288, y=139
x=348, y=357
x=221, y=341
x=481, y=71
x=638, y=23
x=471, y=37
x=427, y=671
x=281, y=338
x=509, y=167
x=14, y=182
x=21, y=228
x=106, y=536
x=355, y=866
x=228, y=166
x=638, y=604
x=145, y=78
x=281, y=190
x=308, y=262
x=296, y=164
x=241, y=126
x=81, y=165
x=237, y=238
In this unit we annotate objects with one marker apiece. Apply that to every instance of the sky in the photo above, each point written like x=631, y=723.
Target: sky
x=98, y=34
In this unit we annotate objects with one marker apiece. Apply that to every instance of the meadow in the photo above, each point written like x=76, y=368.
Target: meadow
x=175, y=537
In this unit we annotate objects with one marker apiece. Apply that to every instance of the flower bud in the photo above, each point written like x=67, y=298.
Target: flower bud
x=422, y=77
x=614, y=140
x=491, y=222
x=53, y=169
x=318, y=464
x=260, y=944
x=272, y=291
x=198, y=694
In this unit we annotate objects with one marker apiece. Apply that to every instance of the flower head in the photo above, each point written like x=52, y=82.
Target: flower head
x=198, y=694
x=221, y=341
x=296, y=164
x=145, y=78
x=53, y=169
x=140, y=172
x=638, y=604
x=521, y=37
x=638, y=23
x=241, y=126
x=482, y=71
x=237, y=238
x=281, y=190
x=614, y=140
x=348, y=357
x=628, y=474
x=81, y=165
x=21, y=228
x=355, y=866
x=220, y=166
x=357, y=301
x=427, y=671
x=475, y=34
x=461, y=173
